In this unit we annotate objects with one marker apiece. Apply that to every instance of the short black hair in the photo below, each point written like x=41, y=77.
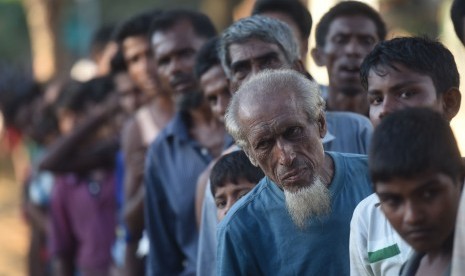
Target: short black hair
x=457, y=14
x=411, y=142
x=419, y=54
x=348, y=8
x=201, y=24
x=117, y=62
x=17, y=89
x=295, y=9
x=207, y=57
x=137, y=25
x=231, y=168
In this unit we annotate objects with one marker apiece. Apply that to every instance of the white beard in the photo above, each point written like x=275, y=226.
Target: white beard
x=311, y=201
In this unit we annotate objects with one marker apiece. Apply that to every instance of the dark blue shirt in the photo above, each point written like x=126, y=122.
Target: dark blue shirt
x=173, y=163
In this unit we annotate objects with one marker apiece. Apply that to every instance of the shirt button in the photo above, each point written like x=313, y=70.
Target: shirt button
x=204, y=151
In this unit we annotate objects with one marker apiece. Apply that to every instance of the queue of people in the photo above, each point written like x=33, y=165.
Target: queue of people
x=204, y=153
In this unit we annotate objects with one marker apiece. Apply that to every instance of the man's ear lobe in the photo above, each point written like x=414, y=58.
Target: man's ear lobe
x=318, y=56
x=322, y=125
x=451, y=102
x=298, y=65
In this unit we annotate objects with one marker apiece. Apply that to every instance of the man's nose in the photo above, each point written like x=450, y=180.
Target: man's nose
x=413, y=214
x=286, y=152
x=354, y=48
x=387, y=107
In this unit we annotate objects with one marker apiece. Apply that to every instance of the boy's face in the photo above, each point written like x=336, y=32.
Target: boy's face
x=390, y=90
x=226, y=196
x=422, y=209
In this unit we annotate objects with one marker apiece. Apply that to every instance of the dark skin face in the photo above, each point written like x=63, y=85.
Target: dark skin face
x=283, y=142
x=174, y=52
x=251, y=57
x=348, y=42
x=215, y=88
x=422, y=209
x=228, y=194
x=392, y=89
x=140, y=64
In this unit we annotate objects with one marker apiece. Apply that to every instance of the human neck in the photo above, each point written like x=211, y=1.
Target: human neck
x=436, y=262
x=338, y=101
x=206, y=129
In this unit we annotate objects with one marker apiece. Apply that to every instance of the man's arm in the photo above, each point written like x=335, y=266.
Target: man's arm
x=134, y=152
x=67, y=154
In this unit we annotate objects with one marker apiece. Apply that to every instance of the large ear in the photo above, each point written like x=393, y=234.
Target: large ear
x=451, y=102
x=298, y=65
x=318, y=56
x=322, y=127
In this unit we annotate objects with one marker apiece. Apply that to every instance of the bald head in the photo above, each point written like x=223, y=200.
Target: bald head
x=272, y=89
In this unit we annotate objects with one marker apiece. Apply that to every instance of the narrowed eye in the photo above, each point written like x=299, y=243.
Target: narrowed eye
x=263, y=144
x=220, y=204
x=375, y=99
x=293, y=132
x=391, y=202
x=406, y=94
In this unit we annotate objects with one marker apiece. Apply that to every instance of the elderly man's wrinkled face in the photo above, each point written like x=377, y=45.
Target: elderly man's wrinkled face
x=251, y=57
x=283, y=141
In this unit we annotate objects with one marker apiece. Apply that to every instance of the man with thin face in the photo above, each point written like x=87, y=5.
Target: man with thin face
x=183, y=149
x=305, y=202
x=142, y=128
x=400, y=73
x=344, y=36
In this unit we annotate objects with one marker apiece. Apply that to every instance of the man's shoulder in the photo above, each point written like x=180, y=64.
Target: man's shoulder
x=368, y=206
x=341, y=117
x=349, y=159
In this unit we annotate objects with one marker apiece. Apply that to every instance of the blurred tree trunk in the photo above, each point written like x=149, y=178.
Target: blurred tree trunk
x=220, y=12
x=42, y=17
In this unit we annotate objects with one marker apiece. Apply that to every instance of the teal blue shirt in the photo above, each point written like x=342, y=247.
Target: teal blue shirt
x=258, y=237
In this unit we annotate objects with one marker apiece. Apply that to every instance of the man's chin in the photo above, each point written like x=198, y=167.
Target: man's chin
x=304, y=203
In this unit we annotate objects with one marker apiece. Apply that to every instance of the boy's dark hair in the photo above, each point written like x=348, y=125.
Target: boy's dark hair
x=411, y=142
x=231, y=168
x=201, y=24
x=348, y=8
x=207, y=57
x=293, y=8
x=422, y=55
x=138, y=25
x=457, y=14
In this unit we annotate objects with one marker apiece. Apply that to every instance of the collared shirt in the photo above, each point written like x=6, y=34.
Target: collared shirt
x=83, y=220
x=258, y=237
x=174, y=161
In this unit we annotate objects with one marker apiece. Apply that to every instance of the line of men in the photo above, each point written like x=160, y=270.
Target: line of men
x=298, y=218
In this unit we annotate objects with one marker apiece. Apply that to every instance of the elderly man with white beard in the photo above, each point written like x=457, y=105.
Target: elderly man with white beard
x=296, y=221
